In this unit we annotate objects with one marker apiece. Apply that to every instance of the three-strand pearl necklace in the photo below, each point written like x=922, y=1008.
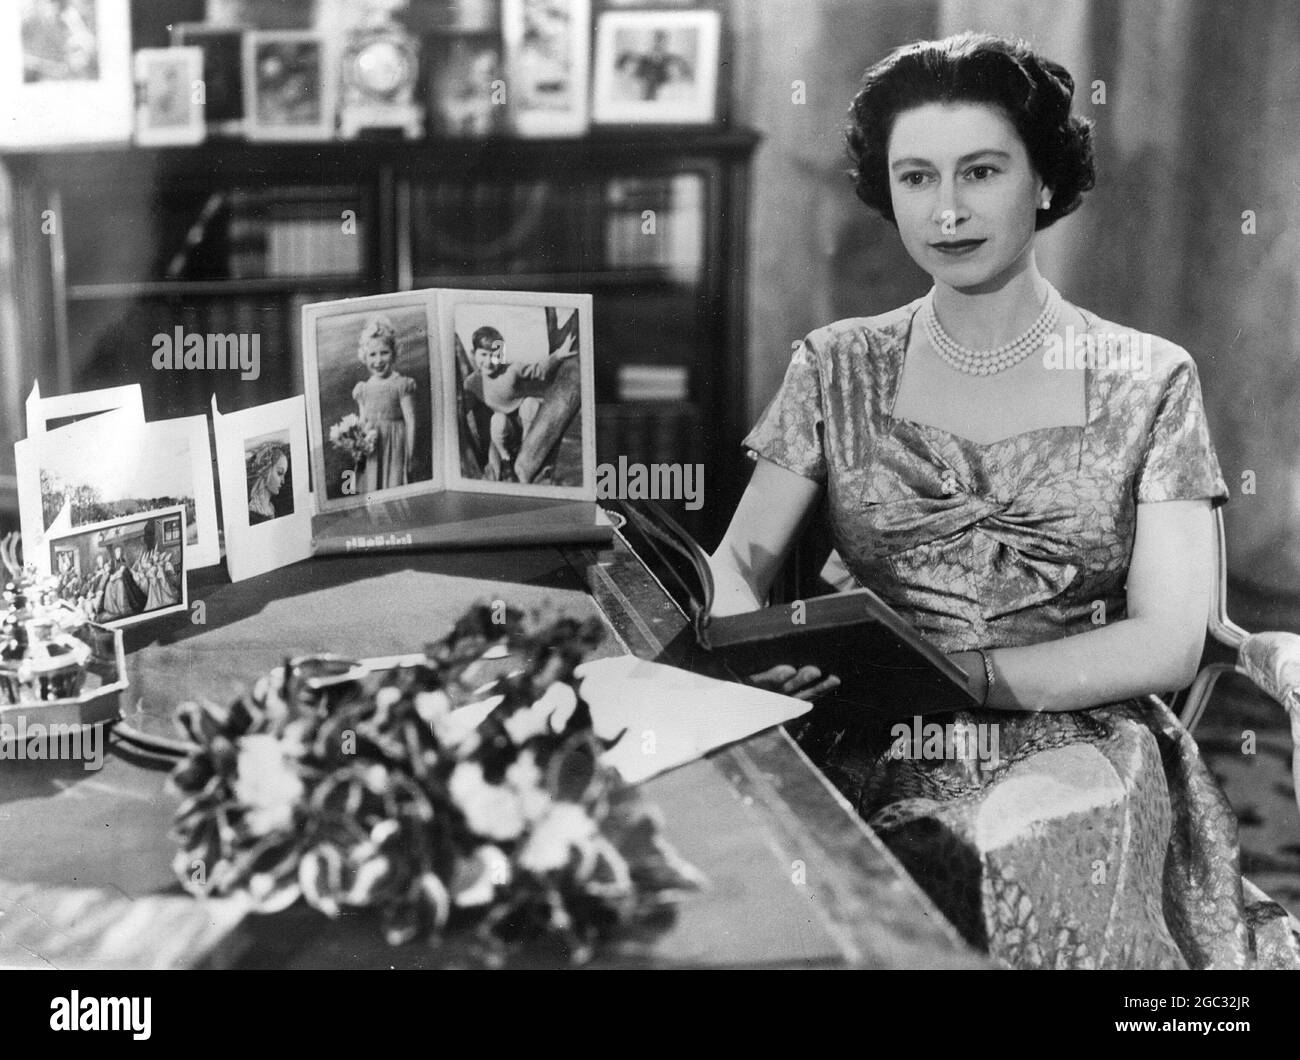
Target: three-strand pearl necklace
x=989, y=362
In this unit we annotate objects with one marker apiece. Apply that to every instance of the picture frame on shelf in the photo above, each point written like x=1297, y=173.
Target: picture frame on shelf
x=465, y=81
x=289, y=86
x=547, y=46
x=66, y=75
x=169, y=96
x=657, y=67
x=223, y=73
x=125, y=570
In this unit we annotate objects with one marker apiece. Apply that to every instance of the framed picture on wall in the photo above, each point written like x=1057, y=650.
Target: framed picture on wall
x=288, y=86
x=548, y=65
x=169, y=96
x=65, y=73
x=657, y=67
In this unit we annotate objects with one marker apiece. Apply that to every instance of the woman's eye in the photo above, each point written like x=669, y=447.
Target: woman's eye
x=913, y=180
x=980, y=172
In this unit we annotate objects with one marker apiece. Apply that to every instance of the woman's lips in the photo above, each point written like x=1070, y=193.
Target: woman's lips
x=957, y=247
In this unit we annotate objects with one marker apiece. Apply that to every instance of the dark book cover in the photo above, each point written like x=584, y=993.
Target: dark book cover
x=885, y=666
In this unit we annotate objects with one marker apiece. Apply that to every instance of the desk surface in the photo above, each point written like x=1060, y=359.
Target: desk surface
x=795, y=876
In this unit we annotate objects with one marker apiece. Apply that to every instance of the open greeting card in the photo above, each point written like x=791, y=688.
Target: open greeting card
x=451, y=418
x=91, y=458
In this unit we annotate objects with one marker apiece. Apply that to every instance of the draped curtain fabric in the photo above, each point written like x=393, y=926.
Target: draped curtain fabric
x=1197, y=111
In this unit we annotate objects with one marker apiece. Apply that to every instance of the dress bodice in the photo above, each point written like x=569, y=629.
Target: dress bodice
x=1023, y=539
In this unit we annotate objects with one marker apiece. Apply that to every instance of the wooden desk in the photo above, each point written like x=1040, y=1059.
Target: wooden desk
x=795, y=877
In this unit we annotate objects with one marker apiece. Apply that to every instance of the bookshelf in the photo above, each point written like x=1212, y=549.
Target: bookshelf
x=110, y=247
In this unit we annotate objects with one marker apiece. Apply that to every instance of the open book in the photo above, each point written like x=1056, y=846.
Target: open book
x=885, y=666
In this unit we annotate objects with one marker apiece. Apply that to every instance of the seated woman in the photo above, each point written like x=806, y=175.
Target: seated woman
x=1042, y=513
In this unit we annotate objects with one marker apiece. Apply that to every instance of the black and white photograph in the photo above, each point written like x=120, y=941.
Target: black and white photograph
x=223, y=72
x=548, y=65
x=788, y=485
x=467, y=90
x=269, y=461
x=522, y=374
x=169, y=96
x=66, y=74
x=656, y=67
x=266, y=506
x=371, y=404
x=60, y=41
x=124, y=571
x=289, y=92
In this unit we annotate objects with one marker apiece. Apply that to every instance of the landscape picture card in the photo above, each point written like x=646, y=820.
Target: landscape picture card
x=126, y=570
x=111, y=466
x=50, y=413
x=448, y=390
x=265, y=503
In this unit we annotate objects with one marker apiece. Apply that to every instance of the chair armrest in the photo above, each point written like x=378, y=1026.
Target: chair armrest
x=1272, y=661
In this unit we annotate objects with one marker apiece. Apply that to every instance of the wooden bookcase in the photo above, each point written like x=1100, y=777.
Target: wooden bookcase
x=110, y=247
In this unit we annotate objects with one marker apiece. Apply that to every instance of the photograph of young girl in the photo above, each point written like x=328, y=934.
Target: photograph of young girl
x=269, y=469
x=372, y=414
x=519, y=393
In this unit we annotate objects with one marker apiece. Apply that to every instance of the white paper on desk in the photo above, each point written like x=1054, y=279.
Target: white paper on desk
x=673, y=716
x=111, y=465
x=277, y=432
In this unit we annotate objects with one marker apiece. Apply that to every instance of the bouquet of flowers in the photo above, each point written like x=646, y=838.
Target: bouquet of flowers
x=465, y=788
x=353, y=437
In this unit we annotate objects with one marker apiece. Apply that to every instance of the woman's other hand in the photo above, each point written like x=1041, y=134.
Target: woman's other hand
x=805, y=682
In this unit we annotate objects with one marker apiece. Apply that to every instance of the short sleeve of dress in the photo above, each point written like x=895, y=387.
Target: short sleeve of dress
x=407, y=386
x=357, y=390
x=1180, y=461
x=791, y=432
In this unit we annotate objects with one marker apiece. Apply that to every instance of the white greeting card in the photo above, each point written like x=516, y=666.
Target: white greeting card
x=265, y=504
x=51, y=413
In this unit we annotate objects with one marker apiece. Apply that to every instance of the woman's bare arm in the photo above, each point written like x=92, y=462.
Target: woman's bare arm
x=1155, y=648
x=767, y=520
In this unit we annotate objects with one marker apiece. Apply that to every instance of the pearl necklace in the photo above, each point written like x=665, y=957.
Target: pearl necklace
x=990, y=362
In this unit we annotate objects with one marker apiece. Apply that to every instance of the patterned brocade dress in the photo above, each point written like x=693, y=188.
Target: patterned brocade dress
x=1098, y=838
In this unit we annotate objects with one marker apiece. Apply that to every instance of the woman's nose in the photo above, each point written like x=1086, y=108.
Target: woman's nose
x=948, y=209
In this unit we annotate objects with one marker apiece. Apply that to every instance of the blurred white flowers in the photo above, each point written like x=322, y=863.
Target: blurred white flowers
x=266, y=784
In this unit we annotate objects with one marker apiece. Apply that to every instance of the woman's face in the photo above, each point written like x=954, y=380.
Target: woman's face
x=964, y=192
x=275, y=476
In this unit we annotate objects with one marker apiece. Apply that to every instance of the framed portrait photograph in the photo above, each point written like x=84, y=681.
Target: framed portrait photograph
x=548, y=65
x=288, y=86
x=657, y=67
x=169, y=96
x=223, y=72
x=467, y=91
x=124, y=570
x=65, y=73
x=262, y=460
x=522, y=376
x=373, y=400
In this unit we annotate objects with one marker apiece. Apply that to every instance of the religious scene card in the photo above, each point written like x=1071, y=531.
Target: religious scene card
x=126, y=570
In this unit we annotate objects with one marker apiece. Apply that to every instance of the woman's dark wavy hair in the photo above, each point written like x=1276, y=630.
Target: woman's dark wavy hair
x=1033, y=92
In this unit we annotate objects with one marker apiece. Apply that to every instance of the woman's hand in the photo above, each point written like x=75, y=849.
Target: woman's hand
x=806, y=682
